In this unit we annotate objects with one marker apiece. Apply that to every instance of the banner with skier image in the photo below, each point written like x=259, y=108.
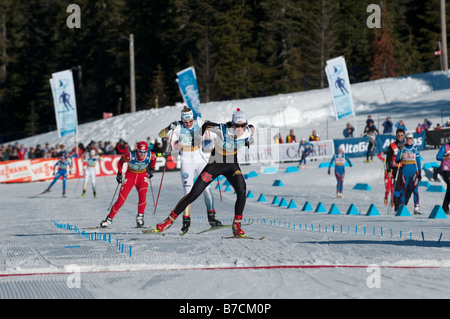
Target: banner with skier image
x=187, y=82
x=63, y=91
x=339, y=83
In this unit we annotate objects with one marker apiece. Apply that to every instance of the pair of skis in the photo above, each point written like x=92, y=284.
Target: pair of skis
x=155, y=231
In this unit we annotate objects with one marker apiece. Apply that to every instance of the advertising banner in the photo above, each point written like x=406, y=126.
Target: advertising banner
x=357, y=147
x=63, y=91
x=42, y=169
x=275, y=153
x=187, y=82
x=339, y=83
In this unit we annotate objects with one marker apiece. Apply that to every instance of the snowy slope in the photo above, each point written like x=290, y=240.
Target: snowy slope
x=410, y=99
x=303, y=254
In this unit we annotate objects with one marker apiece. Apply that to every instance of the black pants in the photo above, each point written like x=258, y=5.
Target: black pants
x=446, y=203
x=397, y=187
x=232, y=173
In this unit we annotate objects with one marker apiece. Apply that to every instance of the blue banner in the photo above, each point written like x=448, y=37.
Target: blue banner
x=187, y=82
x=63, y=91
x=339, y=83
x=357, y=147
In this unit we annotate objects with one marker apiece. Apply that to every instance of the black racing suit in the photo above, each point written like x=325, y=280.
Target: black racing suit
x=220, y=163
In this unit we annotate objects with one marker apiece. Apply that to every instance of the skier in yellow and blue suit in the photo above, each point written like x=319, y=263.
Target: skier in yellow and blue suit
x=340, y=158
x=410, y=172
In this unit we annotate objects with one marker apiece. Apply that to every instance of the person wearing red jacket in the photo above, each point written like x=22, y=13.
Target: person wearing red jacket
x=121, y=147
x=141, y=165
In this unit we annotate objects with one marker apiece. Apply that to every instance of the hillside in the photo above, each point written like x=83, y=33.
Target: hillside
x=410, y=98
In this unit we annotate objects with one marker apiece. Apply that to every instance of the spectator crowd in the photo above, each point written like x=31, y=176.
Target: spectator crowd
x=18, y=151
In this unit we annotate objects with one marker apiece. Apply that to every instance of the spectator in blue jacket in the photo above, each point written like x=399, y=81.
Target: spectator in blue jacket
x=387, y=126
x=348, y=131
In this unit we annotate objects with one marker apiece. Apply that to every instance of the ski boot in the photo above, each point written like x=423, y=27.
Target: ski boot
x=167, y=223
x=95, y=194
x=417, y=210
x=237, y=230
x=84, y=193
x=64, y=194
x=186, y=224
x=106, y=223
x=140, y=220
x=213, y=221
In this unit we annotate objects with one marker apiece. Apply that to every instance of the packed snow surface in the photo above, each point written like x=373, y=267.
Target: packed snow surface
x=304, y=254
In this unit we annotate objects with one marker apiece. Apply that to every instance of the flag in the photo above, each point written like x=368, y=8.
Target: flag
x=187, y=82
x=63, y=91
x=339, y=83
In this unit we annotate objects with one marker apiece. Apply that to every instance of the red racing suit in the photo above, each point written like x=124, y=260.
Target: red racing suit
x=136, y=175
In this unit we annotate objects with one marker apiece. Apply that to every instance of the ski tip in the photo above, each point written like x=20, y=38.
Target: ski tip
x=244, y=237
x=153, y=231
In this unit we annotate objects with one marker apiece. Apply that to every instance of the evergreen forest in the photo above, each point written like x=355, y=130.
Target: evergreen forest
x=239, y=48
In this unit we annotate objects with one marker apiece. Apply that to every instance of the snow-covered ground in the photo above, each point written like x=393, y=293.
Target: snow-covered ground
x=303, y=254
x=36, y=255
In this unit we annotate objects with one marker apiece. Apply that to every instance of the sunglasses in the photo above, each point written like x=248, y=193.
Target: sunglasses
x=240, y=125
x=188, y=122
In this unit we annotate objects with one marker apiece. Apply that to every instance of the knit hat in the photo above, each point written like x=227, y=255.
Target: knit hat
x=239, y=117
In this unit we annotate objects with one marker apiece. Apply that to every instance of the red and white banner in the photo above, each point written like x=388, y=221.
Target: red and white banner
x=42, y=169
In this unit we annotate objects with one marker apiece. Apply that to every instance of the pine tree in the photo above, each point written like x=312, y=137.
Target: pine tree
x=278, y=41
x=237, y=71
x=429, y=34
x=384, y=62
x=320, y=40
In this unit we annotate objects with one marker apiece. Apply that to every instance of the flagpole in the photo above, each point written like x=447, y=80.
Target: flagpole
x=444, y=36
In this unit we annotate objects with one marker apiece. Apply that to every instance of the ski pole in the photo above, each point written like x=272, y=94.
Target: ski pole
x=106, y=182
x=76, y=185
x=162, y=176
x=218, y=184
x=153, y=195
x=110, y=205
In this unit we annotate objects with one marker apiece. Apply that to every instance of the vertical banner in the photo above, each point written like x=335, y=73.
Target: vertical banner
x=187, y=82
x=339, y=83
x=63, y=91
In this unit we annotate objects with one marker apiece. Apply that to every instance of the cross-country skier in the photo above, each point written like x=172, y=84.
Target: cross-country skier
x=444, y=156
x=371, y=131
x=89, y=172
x=410, y=172
x=307, y=150
x=231, y=137
x=188, y=141
x=62, y=165
x=393, y=169
x=141, y=163
x=339, y=171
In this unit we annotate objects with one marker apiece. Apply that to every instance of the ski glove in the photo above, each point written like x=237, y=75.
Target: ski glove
x=119, y=178
x=150, y=173
x=172, y=125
